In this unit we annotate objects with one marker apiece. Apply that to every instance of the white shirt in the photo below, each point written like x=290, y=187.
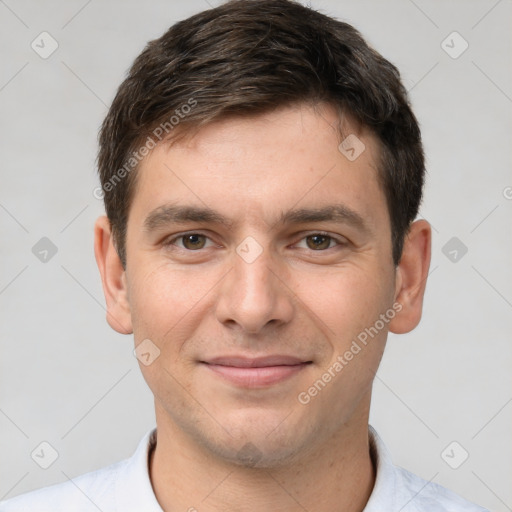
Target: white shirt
x=126, y=487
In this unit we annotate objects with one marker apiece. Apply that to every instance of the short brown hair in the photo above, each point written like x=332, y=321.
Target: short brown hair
x=248, y=57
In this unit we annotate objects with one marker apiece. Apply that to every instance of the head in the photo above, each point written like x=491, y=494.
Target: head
x=284, y=148
x=250, y=57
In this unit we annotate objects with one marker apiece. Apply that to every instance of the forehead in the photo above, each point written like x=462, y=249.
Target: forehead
x=265, y=165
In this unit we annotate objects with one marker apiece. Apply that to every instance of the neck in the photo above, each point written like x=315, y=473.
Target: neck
x=338, y=476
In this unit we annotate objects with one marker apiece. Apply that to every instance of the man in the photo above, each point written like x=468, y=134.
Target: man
x=261, y=171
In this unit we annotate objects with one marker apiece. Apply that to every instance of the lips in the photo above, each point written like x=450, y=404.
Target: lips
x=255, y=372
x=257, y=362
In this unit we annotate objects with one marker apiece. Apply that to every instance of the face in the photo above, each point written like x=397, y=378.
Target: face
x=258, y=257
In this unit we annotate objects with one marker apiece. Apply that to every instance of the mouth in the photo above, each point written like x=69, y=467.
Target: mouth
x=257, y=372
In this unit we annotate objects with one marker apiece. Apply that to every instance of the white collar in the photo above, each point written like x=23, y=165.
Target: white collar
x=133, y=486
x=394, y=488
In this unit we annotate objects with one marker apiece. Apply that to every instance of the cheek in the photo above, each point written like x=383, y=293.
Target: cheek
x=164, y=299
x=346, y=300
x=166, y=304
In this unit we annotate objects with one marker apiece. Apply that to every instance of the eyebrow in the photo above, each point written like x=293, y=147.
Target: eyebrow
x=333, y=213
x=171, y=214
x=175, y=214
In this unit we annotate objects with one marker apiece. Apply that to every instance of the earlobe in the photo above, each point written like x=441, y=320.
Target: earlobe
x=411, y=277
x=113, y=278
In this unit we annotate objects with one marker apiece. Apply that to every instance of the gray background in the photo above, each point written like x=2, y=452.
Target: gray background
x=68, y=379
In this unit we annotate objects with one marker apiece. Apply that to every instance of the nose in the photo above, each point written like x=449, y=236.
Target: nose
x=254, y=295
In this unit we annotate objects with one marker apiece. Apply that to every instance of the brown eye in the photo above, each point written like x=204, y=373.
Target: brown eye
x=318, y=242
x=193, y=241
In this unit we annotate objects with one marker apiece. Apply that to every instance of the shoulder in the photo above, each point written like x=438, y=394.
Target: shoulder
x=89, y=492
x=123, y=486
x=398, y=489
x=420, y=495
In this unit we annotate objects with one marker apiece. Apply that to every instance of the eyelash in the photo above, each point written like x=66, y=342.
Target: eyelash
x=339, y=242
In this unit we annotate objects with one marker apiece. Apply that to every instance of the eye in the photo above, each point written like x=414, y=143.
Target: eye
x=190, y=241
x=319, y=242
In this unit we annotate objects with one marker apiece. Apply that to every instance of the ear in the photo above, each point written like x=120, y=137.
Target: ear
x=113, y=278
x=411, y=277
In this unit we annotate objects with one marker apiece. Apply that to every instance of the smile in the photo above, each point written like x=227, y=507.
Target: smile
x=256, y=372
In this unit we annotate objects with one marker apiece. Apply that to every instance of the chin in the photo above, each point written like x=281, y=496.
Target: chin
x=257, y=454
x=259, y=439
